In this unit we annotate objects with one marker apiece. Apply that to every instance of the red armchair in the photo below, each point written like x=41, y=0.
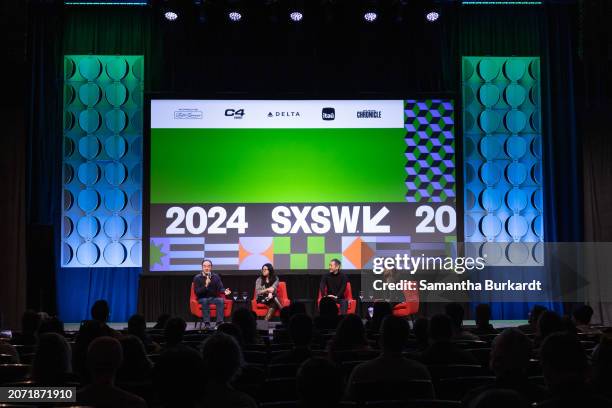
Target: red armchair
x=409, y=306
x=196, y=308
x=261, y=309
x=348, y=295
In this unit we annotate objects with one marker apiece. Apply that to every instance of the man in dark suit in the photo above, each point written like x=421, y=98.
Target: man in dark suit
x=333, y=285
x=208, y=289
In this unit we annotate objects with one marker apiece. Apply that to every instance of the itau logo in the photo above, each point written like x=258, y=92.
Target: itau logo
x=328, y=114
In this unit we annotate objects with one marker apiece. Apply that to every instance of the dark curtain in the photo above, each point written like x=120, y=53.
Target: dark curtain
x=546, y=32
x=594, y=84
x=12, y=165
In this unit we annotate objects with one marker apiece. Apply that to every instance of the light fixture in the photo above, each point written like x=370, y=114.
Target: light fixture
x=296, y=16
x=370, y=16
x=170, y=15
x=234, y=16
x=432, y=16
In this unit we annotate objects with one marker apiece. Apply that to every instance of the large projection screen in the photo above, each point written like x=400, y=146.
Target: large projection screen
x=297, y=182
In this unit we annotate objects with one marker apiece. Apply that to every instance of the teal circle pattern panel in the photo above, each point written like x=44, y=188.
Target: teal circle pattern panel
x=502, y=139
x=102, y=165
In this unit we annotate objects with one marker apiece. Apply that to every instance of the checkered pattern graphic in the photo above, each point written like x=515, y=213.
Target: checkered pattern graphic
x=431, y=150
x=305, y=252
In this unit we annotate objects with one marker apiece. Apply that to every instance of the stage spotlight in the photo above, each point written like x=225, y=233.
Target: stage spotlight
x=432, y=16
x=296, y=16
x=170, y=15
x=234, y=16
x=370, y=16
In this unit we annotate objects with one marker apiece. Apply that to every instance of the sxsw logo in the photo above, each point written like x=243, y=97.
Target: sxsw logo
x=328, y=114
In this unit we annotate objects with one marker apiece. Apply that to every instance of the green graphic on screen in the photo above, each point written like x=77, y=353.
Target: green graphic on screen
x=277, y=165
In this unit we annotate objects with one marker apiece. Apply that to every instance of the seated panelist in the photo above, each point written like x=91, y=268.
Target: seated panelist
x=209, y=289
x=333, y=285
x=266, y=287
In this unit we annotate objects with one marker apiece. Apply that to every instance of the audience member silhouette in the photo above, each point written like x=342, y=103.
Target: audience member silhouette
x=104, y=358
x=548, y=323
x=52, y=324
x=582, y=318
x=565, y=368
x=232, y=330
x=532, y=321
x=222, y=360
x=421, y=333
x=162, y=319
x=88, y=332
x=328, y=318
x=285, y=315
x=30, y=323
x=350, y=337
x=174, y=333
x=390, y=365
x=136, y=366
x=246, y=320
x=100, y=312
x=178, y=376
x=442, y=350
x=510, y=355
x=300, y=332
x=319, y=384
x=455, y=312
x=296, y=308
x=137, y=326
x=602, y=367
x=52, y=365
x=483, y=320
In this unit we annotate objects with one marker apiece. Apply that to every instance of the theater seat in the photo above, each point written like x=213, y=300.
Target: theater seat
x=278, y=389
x=393, y=390
x=456, y=370
x=14, y=372
x=416, y=403
x=196, y=308
x=296, y=404
x=483, y=355
x=456, y=388
x=282, y=370
x=348, y=295
x=409, y=306
x=261, y=309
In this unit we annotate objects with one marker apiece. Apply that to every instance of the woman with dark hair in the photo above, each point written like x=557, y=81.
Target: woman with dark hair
x=266, y=286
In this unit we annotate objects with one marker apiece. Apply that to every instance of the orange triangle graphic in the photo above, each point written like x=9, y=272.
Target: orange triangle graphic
x=242, y=253
x=269, y=253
